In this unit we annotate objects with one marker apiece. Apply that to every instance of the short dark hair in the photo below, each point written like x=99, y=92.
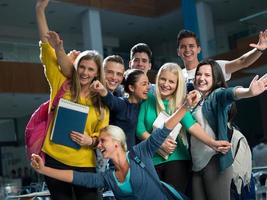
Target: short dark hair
x=186, y=34
x=141, y=48
x=217, y=73
x=131, y=76
x=113, y=58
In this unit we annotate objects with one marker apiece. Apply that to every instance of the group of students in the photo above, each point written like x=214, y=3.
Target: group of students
x=123, y=107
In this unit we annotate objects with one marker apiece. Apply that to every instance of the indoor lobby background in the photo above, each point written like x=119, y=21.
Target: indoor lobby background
x=225, y=28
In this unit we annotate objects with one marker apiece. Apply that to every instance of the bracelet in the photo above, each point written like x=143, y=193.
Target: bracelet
x=188, y=107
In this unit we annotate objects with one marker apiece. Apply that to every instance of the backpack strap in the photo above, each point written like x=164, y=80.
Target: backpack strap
x=55, y=102
x=134, y=157
x=60, y=94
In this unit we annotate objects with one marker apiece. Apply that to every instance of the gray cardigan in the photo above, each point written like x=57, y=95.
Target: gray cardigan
x=143, y=186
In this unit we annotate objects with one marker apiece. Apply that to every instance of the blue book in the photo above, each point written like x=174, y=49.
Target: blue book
x=69, y=117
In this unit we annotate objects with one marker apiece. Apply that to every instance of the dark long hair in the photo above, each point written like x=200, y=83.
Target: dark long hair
x=218, y=82
x=217, y=74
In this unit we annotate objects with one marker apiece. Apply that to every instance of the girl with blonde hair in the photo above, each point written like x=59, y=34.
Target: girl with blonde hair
x=169, y=95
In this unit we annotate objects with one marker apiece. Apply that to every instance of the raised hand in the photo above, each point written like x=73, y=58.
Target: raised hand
x=258, y=86
x=41, y=4
x=99, y=88
x=73, y=54
x=37, y=163
x=192, y=98
x=262, y=43
x=81, y=139
x=54, y=40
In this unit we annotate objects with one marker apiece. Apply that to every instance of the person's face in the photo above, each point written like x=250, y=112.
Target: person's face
x=106, y=145
x=188, y=50
x=167, y=84
x=113, y=75
x=87, y=71
x=204, y=79
x=140, y=61
x=140, y=88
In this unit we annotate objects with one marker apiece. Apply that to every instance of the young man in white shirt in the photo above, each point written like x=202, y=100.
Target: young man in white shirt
x=188, y=48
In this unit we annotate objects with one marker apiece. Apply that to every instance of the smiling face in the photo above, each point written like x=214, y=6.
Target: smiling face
x=87, y=71
x=204, y=79
x=113, y=74
x=106, y=145
x=188, y=51
x=140, y=61
x=140, y=88
x=167, y=84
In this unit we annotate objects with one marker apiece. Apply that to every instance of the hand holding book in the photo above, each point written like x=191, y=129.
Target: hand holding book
x=169, y=145
x=69, y=117
x=81, y=139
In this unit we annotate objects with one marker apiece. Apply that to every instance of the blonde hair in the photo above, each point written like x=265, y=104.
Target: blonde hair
x=117, y=134
x=76, y=86
x=178, y=96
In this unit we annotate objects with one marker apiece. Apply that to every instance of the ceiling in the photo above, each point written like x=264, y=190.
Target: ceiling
x=17, y=25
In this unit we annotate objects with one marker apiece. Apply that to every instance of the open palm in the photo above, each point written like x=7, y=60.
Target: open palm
x=258, y=86
x=262, y=43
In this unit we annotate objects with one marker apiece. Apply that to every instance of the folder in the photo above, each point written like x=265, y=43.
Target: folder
x=159, y=123
x=69, y=117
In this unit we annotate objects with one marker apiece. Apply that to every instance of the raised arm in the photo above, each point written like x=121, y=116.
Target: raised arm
x=63, y=175
x=65, y=62
x=256, y=87
x=250, y=57
x=85, y=179
x=156, y=139
x=114, y=103
x=41, y=19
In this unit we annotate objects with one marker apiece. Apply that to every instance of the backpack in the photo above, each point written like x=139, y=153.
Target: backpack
x=242, y=186
x=36, y=129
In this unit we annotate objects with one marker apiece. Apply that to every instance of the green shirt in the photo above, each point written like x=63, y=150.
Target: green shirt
x=148, y=114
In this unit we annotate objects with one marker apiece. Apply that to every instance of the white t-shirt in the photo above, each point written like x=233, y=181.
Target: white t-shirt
x=189, y=75
x=201, y=153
